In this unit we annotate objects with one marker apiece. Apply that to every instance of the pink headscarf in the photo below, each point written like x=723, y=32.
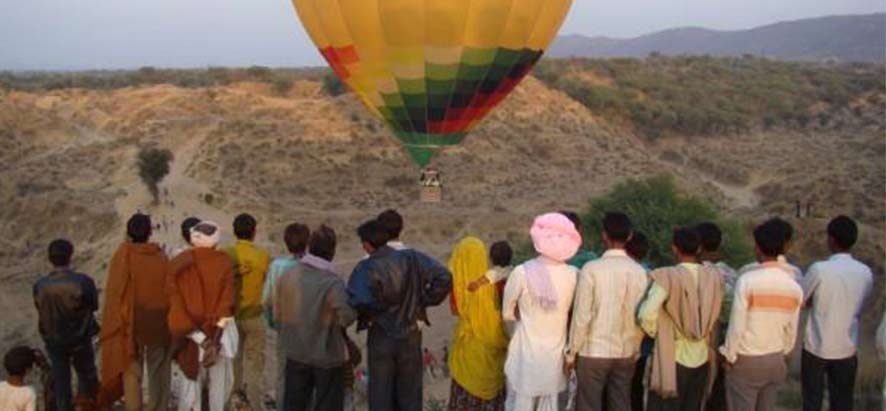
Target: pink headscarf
x=554, y=237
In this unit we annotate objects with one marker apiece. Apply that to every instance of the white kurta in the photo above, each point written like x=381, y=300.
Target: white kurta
x=534, y=366
x=220, y=376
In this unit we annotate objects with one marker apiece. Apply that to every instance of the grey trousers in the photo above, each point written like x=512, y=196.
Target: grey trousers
x=752, y=382
x=595, y=375
x=158, y=362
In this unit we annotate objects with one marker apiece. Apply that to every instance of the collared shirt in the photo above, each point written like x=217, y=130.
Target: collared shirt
x=609, y=290
x=835, y=290
x=250, y=265
x=496, y=274
x=278, y=267
x=66, y=302
x=765, y=313
x=688, y=353
x=397, y=245
x=782, y=261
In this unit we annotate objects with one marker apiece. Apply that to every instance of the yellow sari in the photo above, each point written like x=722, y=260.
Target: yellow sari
x=479, y=344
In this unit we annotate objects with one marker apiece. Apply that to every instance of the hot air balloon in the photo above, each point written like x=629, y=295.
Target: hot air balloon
x=431, y=69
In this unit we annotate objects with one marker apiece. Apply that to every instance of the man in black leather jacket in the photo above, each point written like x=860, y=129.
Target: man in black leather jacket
x=390, y=291
x=66, y=302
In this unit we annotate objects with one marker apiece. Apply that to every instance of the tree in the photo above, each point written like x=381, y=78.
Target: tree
x=333, y=86
x=656, y=208
x=153, y=166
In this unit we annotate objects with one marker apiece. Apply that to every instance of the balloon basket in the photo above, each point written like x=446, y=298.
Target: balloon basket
x=431, y=194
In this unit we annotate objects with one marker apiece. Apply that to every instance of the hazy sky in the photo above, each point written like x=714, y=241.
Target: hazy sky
x=84, y=34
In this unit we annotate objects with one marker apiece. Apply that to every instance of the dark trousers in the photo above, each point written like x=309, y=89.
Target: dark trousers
x=304, y=383
x=82, y=358
x=395, y=371
x=638, y=391
x=717, y=399
x=599, y=375
x=840, y=376
x=691, y=384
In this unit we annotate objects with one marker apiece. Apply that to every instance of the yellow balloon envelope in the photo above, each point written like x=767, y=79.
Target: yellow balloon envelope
x=431, y=69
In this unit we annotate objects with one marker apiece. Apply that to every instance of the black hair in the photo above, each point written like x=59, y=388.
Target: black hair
x=687, y=240
x=392, y=222
x=187, y=225
x=501, y=254
x=244, y=226
x=617, y=226
x=638, y=246
x=60, y=252
x=373, y=233
x=572, y=216
x=843, y=232
x=770, y=239
x=711, y=236
x=786, y=229
x=322, y=243
x=296, y=237
x=138, y=228
x=19, y=360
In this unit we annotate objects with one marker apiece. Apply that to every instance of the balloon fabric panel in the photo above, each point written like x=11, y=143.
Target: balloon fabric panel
x=431, y=69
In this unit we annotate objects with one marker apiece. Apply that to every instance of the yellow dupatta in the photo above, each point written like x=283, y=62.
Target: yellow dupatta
x=479, y=344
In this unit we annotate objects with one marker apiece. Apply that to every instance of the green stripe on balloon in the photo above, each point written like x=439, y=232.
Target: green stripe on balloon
x=422, y=146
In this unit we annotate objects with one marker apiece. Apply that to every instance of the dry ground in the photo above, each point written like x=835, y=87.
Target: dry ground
x=67, y=162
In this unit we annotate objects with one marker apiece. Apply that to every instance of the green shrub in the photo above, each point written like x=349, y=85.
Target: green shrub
x=333, y=86
x=656, y=208
x=281, y=85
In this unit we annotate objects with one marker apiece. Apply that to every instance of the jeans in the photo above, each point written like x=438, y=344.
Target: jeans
x=395, y=371
x=312, y=388
x=840, y=375
x=82, y=358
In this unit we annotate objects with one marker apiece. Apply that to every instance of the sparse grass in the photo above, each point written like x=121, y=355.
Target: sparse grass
x=703, y=96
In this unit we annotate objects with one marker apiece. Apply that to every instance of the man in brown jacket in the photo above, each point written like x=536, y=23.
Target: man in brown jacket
x=201, y=287
x=135, y=333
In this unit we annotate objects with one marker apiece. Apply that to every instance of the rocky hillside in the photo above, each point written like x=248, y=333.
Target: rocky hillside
x=68, y=161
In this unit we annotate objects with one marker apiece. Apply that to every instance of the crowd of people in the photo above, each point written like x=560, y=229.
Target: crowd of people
x=566, y=329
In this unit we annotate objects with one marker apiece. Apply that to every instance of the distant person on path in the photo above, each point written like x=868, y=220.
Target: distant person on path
x=638, y=248
x=15, y=394
x=710, y=257
x=538, y=297
x=835, y=291
x=500, y=256
x=296, y=238
x=135, y=334
x=680, y=311
x=479, y=342
x=762, y=326
x=391, y=291
x=250, y=266
x=310, y=305
x=605, y=338
x=201, y=319
x=66, y=302
x=583, y=255
x=786, y=230
x=186, y=226
x=429, y=362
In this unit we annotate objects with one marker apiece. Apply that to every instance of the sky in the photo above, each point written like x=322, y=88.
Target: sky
x=113, y=34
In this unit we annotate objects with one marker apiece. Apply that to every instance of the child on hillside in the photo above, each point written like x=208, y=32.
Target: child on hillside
x=15, y=395
x=500, y=254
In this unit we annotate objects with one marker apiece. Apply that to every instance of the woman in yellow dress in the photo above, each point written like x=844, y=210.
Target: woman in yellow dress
x=479, y=343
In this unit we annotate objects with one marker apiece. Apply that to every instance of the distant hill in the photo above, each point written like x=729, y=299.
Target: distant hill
x=842, y=38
